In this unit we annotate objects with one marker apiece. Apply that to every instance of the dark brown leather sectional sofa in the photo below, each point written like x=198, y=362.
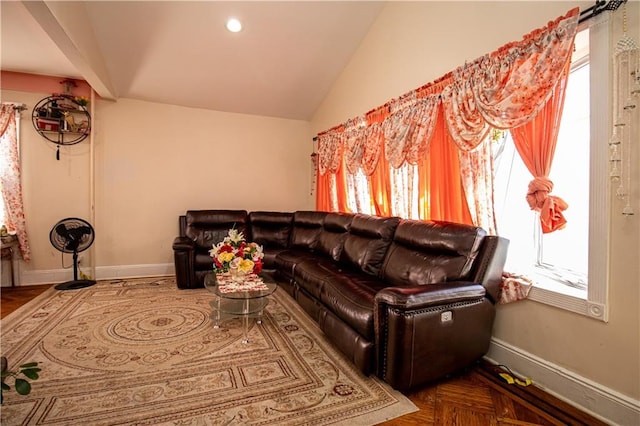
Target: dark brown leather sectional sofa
x=410, y=301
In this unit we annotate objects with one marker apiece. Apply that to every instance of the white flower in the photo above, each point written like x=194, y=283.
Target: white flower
x=216, y=249
x=235, y=236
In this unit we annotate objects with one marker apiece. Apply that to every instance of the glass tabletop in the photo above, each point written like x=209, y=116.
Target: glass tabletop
x=266, y=287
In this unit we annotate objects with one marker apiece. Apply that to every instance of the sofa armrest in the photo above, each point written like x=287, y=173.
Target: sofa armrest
x=429, y=295
x=183, y=244
x=490, y=265
x=425, y=332
x=183, y=257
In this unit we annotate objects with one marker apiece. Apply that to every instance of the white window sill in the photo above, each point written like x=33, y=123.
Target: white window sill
x=554, y=293
x=545, y=282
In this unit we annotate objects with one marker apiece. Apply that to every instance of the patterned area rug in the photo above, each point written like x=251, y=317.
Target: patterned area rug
x=142, y=352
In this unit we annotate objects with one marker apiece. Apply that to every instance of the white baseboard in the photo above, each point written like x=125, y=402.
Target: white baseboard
x=599, y=401
x=54, y=276
x=134, y=271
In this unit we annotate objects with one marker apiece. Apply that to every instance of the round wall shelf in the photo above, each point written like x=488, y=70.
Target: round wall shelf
x=62, y=120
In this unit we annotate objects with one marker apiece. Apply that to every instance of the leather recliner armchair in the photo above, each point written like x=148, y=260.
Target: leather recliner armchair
x=199, y=231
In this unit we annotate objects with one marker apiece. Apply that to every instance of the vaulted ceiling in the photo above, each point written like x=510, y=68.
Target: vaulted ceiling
x=282, y=64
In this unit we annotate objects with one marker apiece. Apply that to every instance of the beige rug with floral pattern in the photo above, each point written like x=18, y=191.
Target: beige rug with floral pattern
x=142, y=352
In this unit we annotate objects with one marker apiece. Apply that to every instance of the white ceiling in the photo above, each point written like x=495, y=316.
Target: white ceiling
x=178, y=52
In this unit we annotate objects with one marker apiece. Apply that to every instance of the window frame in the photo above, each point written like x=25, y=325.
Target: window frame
x=591, y=302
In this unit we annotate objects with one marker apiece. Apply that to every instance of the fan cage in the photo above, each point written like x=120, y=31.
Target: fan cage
x=60, y=242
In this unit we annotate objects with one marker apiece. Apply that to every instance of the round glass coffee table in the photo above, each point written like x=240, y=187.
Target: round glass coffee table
x=246, y=300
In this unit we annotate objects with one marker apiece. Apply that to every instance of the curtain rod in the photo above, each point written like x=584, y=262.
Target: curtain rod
x=599, y=7
x=19, y=107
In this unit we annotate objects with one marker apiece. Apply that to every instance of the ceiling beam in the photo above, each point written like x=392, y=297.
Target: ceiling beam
x=68, y=26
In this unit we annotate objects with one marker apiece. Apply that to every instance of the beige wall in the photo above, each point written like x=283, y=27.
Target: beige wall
x=155, y=161
x=152, y=163
x=52, y=189
x=413, y=43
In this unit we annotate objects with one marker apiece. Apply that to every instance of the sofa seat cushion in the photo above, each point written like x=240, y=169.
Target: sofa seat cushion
x=312, y=273
x=350, y=296
x=286, y=260
x=270, y=254
x=346, y=292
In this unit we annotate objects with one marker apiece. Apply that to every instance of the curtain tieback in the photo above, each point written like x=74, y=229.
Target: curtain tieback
x=549, y=206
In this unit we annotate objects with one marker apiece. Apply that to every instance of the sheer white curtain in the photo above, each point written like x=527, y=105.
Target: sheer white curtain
x=10, y=182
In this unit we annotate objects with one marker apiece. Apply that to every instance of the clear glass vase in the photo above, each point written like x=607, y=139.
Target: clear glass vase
x=237, y=275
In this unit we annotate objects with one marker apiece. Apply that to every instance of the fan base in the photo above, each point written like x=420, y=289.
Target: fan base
x=75, y=284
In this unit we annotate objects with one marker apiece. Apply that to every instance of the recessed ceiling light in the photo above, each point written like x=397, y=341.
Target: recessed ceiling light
x=234, y=25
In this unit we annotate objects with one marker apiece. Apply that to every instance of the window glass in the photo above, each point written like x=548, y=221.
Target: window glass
x=563, y=254
x=570, y=174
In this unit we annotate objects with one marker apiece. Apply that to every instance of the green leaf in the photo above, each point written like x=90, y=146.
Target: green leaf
x=5, y=386
x=6, y=374
x=22, y=387
x=31, y=373
x=29, y=365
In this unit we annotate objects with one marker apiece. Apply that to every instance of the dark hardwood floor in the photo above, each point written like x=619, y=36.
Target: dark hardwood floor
x=477, y=396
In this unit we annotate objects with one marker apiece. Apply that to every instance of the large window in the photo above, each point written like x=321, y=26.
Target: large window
x=561, y=256
x=569, y=265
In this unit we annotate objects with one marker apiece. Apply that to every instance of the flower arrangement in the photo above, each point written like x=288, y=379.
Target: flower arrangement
x=234, y=253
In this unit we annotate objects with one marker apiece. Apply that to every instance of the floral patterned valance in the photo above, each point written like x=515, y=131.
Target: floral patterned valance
x=408, y=131
x=507, y=88
x=504, y=89
x=330, y=150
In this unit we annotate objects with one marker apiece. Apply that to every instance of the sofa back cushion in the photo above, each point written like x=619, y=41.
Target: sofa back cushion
x=209, y=227
x=427, y=252
x=307, y=226
x=335, y=229
x=367, y=242
x=270, y=229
